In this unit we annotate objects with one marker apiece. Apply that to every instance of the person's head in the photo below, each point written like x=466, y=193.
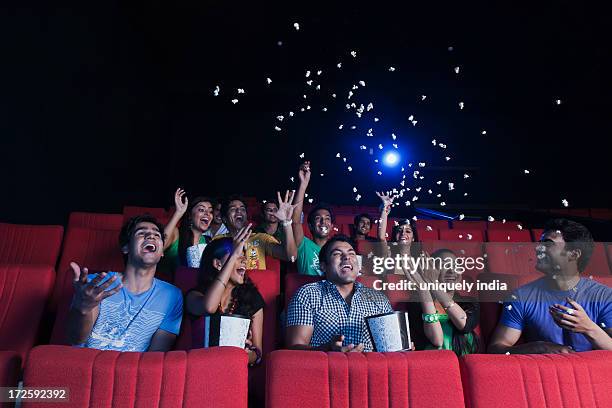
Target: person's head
x=320, y=221
x=446, y=259
x=200, y=213
x=268, y=211
x=362, y=224
x=142, y=241
x=404, y=232
x=338, y=260
x=565, y=246
x=234, y=213
x=217, y=219
x=214, y=257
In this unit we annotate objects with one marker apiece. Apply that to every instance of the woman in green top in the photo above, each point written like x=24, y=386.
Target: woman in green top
x=195, y=220
x=442, y=319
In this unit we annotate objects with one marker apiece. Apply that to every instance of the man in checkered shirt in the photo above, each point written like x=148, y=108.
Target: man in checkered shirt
x=330, y=315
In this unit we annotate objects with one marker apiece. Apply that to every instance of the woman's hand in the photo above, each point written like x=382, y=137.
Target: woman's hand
x=386, y=199
x=241, y=238
x=181, y=206
x=285, y=209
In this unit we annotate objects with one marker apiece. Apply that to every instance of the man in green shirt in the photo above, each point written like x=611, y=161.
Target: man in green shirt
x=320, y=222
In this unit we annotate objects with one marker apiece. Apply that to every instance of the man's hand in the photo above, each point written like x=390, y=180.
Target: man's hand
x=335, y=344
x=304, y=173
x=285, y=209
x=572, y=318
x=181, y=206
x=546, y=347
x=88, y=296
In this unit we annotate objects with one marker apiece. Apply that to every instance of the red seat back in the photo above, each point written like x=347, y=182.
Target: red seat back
x=470, y=225
x=469, y=235
x=499, y=225
x=10, y=368
x=215, y=377
x=434, y=224
x=30, y=244
x=294, y=281
x=316, y=379
x=95, y=221
x=24, y=291
x=132, y=211
x=598, y=264
x=513, y=259
x=502, y=235
x=552, y=380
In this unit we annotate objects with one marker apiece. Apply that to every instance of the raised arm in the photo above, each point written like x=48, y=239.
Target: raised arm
x=387, y=201
x=433, y=330
x=170, y=230
x=86, y=304
x=284, y=214
x=298, y=201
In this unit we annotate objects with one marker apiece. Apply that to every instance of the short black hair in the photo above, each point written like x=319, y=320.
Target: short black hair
x=576, y=236
x=325, y=249
x=358, y=218
x=320, y=206
x=266, y=202
x=226, y=202
x=127, y=230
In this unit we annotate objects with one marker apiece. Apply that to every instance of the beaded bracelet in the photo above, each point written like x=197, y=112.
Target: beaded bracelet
x=431, y=317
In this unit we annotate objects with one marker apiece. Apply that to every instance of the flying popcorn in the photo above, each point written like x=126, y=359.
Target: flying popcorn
x=461, y=216
x=240, y=90
x=423, y=97
x=269, y=81
x=354, y=54
x=234, y=101
x=217, y=90
x=565, y=203
x=296, y=26
x=491, y=219
x=461, y=105
x=484, y=132
x=393, y=136
x=558, y=101
x=392, y=69
x=349, y=168
x=277, y=128
x=302, y=156
x=456, y=70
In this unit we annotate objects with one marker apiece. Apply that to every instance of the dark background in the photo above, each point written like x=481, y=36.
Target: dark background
x=110, y=103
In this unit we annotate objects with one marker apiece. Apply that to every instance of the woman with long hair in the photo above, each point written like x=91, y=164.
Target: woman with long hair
x=224, y=287
x=442, y=319
x=195, y=219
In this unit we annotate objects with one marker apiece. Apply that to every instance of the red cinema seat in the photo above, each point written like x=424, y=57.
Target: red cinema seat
x=425, y=235
x=132, y=211
x=511, y=258
x=469, y=235
x=500, y=235
x=470, y=225
x=95, y=249
x=536, y=234
x=10, y=367
x=295, y=281
x=310, y=379
x=552, y=380
x=95, y=221
x=601, y=213
x=30, y=244
x=215, y=377
x=598, y=264
x=500, y=225
x=24, y=291
x=434, y=224
x=343, y=219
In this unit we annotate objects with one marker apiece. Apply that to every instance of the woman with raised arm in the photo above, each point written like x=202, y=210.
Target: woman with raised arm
x=224, y=287
x=442, y=319
x=195, y=220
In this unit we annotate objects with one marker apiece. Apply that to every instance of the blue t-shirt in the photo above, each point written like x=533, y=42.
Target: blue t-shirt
x=528, y=310
x=127, y=322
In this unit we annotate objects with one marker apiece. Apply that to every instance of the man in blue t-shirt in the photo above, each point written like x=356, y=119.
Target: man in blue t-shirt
x=132, y=311
x=561, y=312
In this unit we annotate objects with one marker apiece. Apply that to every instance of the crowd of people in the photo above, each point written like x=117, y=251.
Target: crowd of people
x=132, y=310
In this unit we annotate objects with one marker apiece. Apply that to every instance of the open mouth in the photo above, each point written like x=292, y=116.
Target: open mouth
x=241, y=271
x=149, y=247
x=324, y=230
x=205, y=220
x=346, y=268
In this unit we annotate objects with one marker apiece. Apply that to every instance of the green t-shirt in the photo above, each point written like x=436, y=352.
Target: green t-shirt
x=308, y=258
x=171, y=261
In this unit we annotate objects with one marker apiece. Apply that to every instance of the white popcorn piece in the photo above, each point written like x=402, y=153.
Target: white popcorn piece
x=280, y=118
x=354, y=54
x=379, y=173
x=509, y=307
x=423, y=97
x=565, y=203
x=491, y=219
x=217, y=90
x=465, y=176
x=310, y=200
x=309, y=82
x=520, y=227
x=429, y=191
x=354, y=189
x=447, y=158
x=277, y=128
x=461, y=216
x=324, y=109
x=293, y=259
x=234, y=101
x=296, y=26
x=362, y=83
x=322, y=174
x=558, y=101
x=338, y=155
x=339, y=65
x=411, y=117
x=484, y=132
x=450, y=48
x=291, y=178
x=353, y=127
x=469, y=236
x=414, y=198
x=350, y=94
x=407, y=203
x=451, y=186
x=380, y=146
x=307, y=74
x=461, y=105
x=526, y=171
x=503, y=220
x=291, y=114
x=394, y=145
x=349, y=168
x=465, y=194
x=344, y=159
x=319, y=72
x=358, y=197
x=376, y=119
x=414, y=122
x=302, y=156
x=434, y=142
x=422, y=164
x=442, y=203
x=428, y=228
x=318, y=87
x=370, y=106
x=240, y=90
x=457, y=70
x=333, y=95
x=269, y=81
x=392, y=69
x=307, y=107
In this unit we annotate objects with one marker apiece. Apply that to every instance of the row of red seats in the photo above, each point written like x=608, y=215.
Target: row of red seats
x=215, y=377
x=438, y=379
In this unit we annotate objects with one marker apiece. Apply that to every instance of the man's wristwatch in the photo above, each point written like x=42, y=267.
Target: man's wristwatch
x=287, y=223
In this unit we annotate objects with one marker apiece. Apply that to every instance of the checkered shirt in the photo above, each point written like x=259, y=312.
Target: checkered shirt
x=320, y=305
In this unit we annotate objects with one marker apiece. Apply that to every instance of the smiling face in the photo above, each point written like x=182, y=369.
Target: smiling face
x=238, y=271
x=145, y=246
x=404, y=234
x=217, y=220
x=236, y=215
x=363, y=226
x=341, y=266
x=269, y=212
x=321, y=224
x=202, y=216
x=551, y=255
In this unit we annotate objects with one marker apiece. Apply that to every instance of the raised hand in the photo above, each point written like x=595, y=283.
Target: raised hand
x=241, y=238
x=386, y=199
x=304, y=172
x=572, y=318
x=180, y=201
x=285, y=209
x=88, y=296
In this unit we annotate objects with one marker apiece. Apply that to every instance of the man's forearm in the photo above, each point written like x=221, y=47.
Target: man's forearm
x=535, y=347
x=79, y=325
x=600, y=340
